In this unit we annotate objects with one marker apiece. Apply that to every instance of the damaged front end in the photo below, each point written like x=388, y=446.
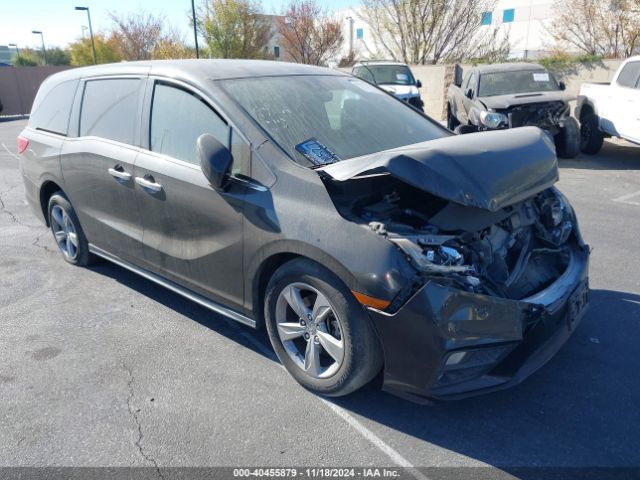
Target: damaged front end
x=500, y=266
x=546, y=115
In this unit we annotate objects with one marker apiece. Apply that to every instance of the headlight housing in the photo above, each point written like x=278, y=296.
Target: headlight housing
x=492, y=119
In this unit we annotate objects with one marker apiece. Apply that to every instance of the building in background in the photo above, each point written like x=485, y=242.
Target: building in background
x=6, y=55
x=526, y=22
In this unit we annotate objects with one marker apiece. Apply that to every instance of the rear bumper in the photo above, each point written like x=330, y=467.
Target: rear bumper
x=446, y=344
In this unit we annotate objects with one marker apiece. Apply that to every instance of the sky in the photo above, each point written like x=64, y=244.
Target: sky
x=61, y=24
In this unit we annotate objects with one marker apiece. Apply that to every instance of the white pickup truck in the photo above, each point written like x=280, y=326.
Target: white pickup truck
x=611, y=109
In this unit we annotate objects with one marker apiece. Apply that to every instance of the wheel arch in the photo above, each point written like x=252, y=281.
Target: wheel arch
x=272, y=257
x=585, y=107
x=48, y=188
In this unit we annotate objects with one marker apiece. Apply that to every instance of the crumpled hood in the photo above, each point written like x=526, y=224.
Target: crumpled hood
x=488, y=170
x=501, y=102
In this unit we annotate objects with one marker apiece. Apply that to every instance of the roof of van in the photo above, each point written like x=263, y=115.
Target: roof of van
x=201, y=69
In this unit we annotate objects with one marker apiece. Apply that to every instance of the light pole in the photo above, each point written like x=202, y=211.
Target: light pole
x=17, y=50
x=44, y=50
x=93, y=45
x=351, y=22
x=195, y=29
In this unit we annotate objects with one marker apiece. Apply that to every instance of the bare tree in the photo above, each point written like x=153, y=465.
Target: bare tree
x=309, y=34
x=598, y=27
x=235, y=28
x=431, y=31
x=136, y=34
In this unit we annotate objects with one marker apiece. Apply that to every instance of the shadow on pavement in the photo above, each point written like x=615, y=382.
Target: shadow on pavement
x=11, y=118
x=229, y=328
x=613, y=156
x=579, y=410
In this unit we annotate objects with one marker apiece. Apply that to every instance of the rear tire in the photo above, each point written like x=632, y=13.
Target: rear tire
x=568, y=140
x=67, y=232
x=591, y=138
x=312, y=309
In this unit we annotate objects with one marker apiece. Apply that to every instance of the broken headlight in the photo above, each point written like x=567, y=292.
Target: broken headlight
x=556, y=218
x=493, y=120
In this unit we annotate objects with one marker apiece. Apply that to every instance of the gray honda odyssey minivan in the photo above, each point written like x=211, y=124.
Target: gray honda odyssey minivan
x=362, y=234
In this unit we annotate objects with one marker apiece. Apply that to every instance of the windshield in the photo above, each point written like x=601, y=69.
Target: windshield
x=323, y=119
x=510, y=83
x=385, y=74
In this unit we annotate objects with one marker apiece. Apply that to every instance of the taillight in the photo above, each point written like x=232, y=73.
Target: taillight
x=23, y=143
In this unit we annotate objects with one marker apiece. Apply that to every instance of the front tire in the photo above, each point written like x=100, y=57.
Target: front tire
x=319, y=331
x=568, y=140
x=452, y=121
x=67, y=232
x=591, y=138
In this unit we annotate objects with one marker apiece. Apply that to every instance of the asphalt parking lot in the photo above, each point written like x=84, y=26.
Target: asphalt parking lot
x=102, y=368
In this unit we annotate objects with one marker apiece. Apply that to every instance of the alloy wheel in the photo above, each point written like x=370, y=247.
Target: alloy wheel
x=310, y=330
x=64, y=232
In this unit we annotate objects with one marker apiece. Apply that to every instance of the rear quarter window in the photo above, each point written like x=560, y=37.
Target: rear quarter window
x=51, y=112
x=110, y=109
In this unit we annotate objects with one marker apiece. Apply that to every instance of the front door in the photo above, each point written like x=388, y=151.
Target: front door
x=97, y=165
x=192, y=233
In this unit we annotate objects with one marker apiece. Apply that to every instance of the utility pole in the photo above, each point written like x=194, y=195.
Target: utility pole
x=351, y=22
x=44, y=50
x=93, y=45
x=195, y=28
x=17, y=50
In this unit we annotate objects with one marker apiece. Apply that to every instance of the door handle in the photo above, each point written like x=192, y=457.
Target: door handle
x=119, y=173
x=148, y=184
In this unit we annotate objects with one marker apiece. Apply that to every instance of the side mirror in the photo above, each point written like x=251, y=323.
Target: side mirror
x=469, y=94
x=418, y=84
x=562, y=85
x=457, y=76
x=215, y=160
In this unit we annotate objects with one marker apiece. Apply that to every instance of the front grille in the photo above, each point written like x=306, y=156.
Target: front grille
x=536, y=114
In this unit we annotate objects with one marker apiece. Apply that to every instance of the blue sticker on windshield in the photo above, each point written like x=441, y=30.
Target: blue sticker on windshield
x=316, y=152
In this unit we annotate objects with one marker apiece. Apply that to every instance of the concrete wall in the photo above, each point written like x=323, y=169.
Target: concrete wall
x=19, y=85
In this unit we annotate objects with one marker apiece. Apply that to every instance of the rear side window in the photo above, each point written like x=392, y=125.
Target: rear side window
x=51, y=114
x=110, y=109
x=178, y=118
x=629, y=75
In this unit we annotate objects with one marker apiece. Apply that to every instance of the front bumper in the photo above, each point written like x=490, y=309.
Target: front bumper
x=506, y=340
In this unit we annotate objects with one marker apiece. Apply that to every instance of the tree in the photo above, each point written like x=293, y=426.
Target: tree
x=598, y=27
x=309, y=34
x=106, y=50
x=58, y=56
x=143, y=36
x=234, y=28
x=27, y=58
x=432, y=31
x=172, y=46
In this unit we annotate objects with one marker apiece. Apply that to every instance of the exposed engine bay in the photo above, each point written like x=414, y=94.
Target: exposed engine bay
x=512, y=253
x=546, y=115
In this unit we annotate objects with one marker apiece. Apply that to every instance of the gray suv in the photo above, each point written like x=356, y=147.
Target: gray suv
x=278, y=194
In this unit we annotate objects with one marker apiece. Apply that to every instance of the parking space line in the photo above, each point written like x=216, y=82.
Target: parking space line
x=627, y=198
x=376, y=441
x=10, y=152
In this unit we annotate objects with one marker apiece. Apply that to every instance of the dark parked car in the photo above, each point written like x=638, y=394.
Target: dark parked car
x=493, y=97
x=278, y=194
